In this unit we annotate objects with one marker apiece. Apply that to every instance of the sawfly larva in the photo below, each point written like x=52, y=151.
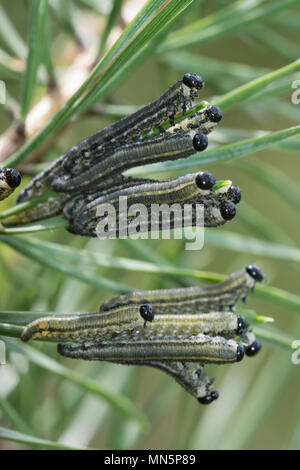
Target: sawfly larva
x=200, y=348
x=216, y=297
x=165, y=147
x=90, y=325
x=157, y=199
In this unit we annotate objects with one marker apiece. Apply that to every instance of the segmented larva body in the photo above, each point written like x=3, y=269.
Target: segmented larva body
x=90, y=325
x=165, y=147
x=145, y=191
x=201, y=348
x=10, y=179
x=178, y=326
x=217, y=297
x=80, y=201
x=178, y=97
x=192, y=189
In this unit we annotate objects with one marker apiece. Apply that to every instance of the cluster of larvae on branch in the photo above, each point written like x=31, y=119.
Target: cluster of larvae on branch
x=175, y=330
x=91, y=174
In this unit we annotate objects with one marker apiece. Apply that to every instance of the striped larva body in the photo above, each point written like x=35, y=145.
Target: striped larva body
x=201, y=348
x=128, y=323
x=178, y=190
x=81, y=209
x=90, y=325
x=10, y=179
x=155, y=197
x=221, y=296
x=228, y=325
x=165, y=147
x=80, y=201
x=178, y=97
x=88, y=224
x=147, y=192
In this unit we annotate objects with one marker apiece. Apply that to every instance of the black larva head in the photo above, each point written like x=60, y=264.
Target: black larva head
x=147, y=312
x=253, y=348
x=193, y=81
x=234, y=194
x=227, y=210
x=241, y=324
x=240, y=352
x=200, y=142
x=255, y=272
x=214, y=113
x=205, y=180
x=209, y=398
x=13, y=177
x=214, y=394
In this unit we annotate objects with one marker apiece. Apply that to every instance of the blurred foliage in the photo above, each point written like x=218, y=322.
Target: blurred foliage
x=247, y=53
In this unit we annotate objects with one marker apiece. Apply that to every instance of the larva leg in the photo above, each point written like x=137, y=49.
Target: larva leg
x=10, y=179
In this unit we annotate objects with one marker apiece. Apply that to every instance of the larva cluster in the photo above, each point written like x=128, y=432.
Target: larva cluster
x=175, y=330
x=92, y=171
x=166, y=329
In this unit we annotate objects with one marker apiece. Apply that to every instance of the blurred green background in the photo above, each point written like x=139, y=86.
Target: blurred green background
x=258, y=406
